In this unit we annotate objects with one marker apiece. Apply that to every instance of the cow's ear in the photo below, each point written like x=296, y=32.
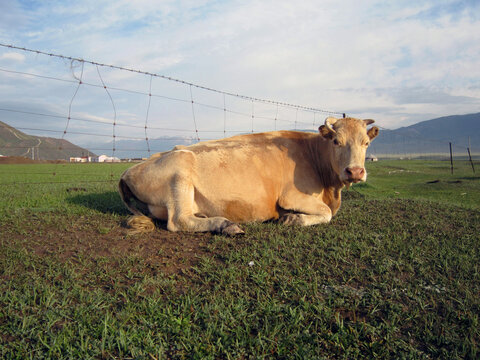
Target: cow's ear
x=325, y=132
x=368, y=121
x=372, y=133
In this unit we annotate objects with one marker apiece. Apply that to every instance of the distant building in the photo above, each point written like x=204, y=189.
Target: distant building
x=105, y=158
x=81, y=159
x=371, y=157
x=94, y=159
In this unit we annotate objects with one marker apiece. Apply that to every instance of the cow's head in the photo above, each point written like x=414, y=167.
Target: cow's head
x=349, y=141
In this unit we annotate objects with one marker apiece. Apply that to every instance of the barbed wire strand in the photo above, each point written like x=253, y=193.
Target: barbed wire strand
x=253, y=113
x=275, y=120
x=224, y=117
x=114, y=120
x=79, y=79
x=193, y=114
x=70, y=104
x=296, y=118
x=146, y=117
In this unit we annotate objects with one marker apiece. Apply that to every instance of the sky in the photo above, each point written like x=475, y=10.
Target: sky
x=398, y=62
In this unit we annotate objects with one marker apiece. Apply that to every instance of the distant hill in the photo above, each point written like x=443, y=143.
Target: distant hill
x=16, y=143
x=431, y=136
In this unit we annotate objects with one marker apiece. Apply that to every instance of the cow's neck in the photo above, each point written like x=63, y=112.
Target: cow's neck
x=321, y=158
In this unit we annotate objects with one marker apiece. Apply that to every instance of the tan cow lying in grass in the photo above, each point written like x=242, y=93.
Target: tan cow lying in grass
x=296, y=177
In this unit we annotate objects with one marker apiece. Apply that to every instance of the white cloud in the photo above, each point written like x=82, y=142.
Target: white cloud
x=15, y=56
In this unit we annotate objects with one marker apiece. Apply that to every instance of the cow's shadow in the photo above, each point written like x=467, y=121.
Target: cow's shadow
x=108, y=202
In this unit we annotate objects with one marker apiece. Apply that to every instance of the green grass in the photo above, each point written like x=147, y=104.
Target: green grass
x=394, y=275
x=68, y=188
x=423, y=180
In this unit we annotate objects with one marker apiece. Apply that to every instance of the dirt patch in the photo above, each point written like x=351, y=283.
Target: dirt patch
x=24, y=160
x=83, y=239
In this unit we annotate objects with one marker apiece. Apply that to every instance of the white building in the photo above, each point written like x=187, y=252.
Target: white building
x=371, y=157
x=105, y=158
x=81, y=159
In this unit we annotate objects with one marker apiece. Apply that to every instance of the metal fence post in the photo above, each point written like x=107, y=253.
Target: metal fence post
x=451, y=158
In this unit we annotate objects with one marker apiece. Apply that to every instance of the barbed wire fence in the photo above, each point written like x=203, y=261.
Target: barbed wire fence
x=89, y=103
x=131, y=114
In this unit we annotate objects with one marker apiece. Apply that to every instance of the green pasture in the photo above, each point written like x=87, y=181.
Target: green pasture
x=424, y=180
x=395, y=275
x=66, y=188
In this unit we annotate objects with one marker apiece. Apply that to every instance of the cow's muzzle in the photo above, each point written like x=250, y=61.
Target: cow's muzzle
x=355, y=174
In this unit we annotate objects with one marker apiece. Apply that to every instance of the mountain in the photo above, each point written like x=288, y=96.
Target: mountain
x=16, y=143
x=431, y=136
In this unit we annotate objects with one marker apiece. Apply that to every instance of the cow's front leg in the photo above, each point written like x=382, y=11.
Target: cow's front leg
x=308, y=209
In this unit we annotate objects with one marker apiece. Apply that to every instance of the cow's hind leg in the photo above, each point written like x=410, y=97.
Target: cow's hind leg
x=181, y=212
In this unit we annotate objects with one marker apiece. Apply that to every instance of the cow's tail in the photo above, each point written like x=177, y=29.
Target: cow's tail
x=139, y=222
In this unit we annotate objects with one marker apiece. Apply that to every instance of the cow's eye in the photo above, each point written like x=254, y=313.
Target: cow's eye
x=335, y=142
x=367, y=143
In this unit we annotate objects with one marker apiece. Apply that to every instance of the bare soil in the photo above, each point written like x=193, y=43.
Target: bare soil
x=83, y=239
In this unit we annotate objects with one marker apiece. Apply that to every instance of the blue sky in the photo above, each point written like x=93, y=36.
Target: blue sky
x=398, y=62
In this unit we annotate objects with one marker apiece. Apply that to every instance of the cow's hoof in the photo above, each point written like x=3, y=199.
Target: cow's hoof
x=232, y=230
x=291, y=219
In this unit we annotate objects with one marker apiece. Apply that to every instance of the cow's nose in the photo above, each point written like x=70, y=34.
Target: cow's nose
x=355, y=173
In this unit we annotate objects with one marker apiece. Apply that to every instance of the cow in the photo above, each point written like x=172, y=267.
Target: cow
x=290, y=176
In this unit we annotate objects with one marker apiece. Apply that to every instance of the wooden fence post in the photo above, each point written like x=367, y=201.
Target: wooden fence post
x=470, y=157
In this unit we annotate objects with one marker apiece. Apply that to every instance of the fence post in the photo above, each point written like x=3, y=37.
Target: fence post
x=451, y=158
x=470, y=157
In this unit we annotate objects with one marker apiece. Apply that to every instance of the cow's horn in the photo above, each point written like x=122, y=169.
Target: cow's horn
x=329, y=122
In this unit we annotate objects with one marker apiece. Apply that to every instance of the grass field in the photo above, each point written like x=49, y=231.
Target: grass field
x=396, y=274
